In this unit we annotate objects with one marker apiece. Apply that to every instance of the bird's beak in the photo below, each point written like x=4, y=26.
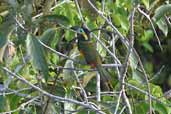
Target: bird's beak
x=85, y=36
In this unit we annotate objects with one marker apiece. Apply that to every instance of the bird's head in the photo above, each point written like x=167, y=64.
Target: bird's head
x=82, y=32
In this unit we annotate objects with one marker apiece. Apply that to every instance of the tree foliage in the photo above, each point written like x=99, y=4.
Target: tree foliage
x=42, y=71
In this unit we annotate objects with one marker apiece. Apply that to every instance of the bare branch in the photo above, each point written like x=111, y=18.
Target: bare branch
x=56, y=52
x=148, y=17
x=56, y=5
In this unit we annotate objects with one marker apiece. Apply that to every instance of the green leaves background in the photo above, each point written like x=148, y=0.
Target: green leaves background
x=32, y=25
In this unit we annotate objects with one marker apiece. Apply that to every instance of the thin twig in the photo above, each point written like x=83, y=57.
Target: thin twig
x=98, y=91
x=79, y=11
x=126, y=64
x=56, y=52
x=146, y=78
x=80, y=14
x=144, y=92
x=20, y=25
x=89, y=70
x=122, y=110
x=148, y=17
x=124, y=41
x=114, y=52
x=56, y=5
x=78, y=80
x=16, y=92
x=118, y=102
x=157, y=74
x=22, y=106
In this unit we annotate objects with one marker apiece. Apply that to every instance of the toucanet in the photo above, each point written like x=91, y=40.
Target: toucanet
x=87, y=48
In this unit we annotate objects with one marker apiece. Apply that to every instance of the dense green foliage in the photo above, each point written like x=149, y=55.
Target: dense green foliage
x=42, y=71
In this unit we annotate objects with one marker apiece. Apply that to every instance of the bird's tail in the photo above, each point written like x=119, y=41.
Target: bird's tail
x=105, y=79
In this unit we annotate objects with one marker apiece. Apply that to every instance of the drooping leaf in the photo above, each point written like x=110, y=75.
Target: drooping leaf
x=3, y=41
x=48, y=36
x=2, y=99
x=36, y=53
x=133, y=61
x=161, y=11
x=59, y=19
x=138, y=76
x=163, y=26
x=148, y=47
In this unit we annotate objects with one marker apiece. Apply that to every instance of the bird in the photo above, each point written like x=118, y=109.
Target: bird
x=87, y=48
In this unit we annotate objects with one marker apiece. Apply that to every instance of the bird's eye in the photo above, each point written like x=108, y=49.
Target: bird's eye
x=81, y=31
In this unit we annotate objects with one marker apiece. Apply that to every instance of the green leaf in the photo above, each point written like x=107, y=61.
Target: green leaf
x=138, y=76
x=69, y=35
x=60, y=19
x=156, y=91
x=149, y=67
x=148, y=47
x=161, y=11
x=134, y=92
x=121, y=19
x=3, y=40
x=101, y=50
x=148, y=34
x=163, y=26
x=141, y=108
x=68, y=9
x=48, y=36
x=146, y=3
x=2, y=103
x=133, y=61
x=160, y=108
x=36, y=53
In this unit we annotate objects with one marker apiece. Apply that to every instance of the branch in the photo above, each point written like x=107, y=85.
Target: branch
x=56, y=52
x=89, y=70
x=145, y=75
x=58, y=98
x=16, y=92
x=22, y=106
x=57, y=5
x=148, y=17
x=124, y=41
